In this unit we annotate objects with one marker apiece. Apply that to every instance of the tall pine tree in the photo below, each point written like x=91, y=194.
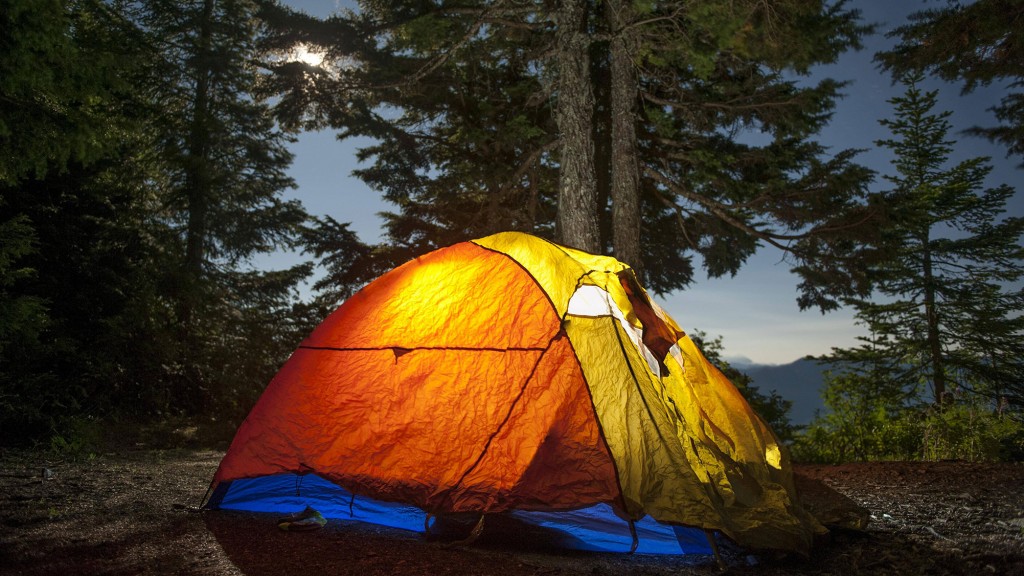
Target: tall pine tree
x=977, y=43
x=222, y=161
x=140, y=174
x=948, y=301
x=72, y=217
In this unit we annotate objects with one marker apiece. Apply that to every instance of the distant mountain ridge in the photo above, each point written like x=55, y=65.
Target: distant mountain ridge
x=799, y=382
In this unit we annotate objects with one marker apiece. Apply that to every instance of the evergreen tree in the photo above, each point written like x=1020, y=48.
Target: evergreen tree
x=726, y=140
x=977, y=43
x=71, y=227
x=222, y=163
x=947, y=307
x=54, y=96
x=497, y=112
x=139, y=175
x=462, y=121
x=90, y=271
x=22, y=316
x=225, y=157
x=862, y=399
x=53, y=89
x=348, y=264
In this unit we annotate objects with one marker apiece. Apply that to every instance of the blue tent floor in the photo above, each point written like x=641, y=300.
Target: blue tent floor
x=594, y=529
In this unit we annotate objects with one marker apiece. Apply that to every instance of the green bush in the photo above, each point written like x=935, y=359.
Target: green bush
x=967, y=432
x=77, y=437
x=957, y=431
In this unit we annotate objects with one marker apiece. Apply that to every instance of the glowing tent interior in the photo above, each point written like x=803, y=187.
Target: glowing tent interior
x=513, y=375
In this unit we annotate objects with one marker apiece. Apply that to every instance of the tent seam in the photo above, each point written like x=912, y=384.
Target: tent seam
x=508, y=416
x=590, y=394
x=460, y=348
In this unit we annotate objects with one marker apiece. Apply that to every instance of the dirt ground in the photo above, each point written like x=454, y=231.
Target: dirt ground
x=135, y=513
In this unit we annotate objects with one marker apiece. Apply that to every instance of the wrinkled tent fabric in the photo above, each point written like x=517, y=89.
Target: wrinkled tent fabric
x=513, y=374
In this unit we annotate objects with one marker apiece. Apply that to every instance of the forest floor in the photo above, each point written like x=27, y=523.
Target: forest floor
x=134, y=512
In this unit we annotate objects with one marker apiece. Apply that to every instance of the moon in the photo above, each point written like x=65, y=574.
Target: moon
x=307, y=55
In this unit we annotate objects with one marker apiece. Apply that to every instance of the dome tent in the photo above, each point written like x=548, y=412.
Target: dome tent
x=511, y=374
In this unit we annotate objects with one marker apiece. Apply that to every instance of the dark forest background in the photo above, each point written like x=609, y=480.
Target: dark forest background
x=143, y=158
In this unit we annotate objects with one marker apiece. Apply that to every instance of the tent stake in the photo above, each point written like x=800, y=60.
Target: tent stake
x=205, y=496
x=714, y=548
x=473, y=535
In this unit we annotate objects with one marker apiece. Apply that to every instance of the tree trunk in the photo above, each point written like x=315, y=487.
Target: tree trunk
x=577, y=191
x=601, y=82
x=197, y=175
x=933, y=335
x=625, y=185
x=198, y=184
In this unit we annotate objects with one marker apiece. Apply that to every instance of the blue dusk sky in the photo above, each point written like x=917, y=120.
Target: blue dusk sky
x=755, y=311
